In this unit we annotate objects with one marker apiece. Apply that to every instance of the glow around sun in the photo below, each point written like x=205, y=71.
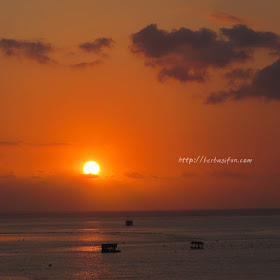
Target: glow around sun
x=91, y=167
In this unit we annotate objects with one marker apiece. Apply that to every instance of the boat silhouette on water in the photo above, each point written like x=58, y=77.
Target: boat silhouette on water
x=110, y=248
x=197, y=245
x=129, y=223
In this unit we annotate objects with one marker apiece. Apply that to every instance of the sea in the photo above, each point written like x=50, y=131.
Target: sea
x=238, y=244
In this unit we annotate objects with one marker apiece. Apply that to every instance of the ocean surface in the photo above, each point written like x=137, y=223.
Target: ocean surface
x=238, y=244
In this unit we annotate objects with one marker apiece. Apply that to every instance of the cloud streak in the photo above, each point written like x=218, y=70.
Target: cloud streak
x=224, y=17
x=34, y=50
x=134, y=174
x=11, y=143
x=20, y=143
x=84, y=65
x=98, y=45
x=48, y=144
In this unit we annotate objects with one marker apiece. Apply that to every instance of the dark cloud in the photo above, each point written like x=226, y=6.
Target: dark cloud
x=183, y=54
x=265, y=84
x=134, y=174
x=182, y=74
x=83, y=65
x=97, y=45
x=239, y=76
x=224, y=17
x=239, y=73
x=10, y=143
x=35, y=50
x=243, y=36
x=186, y=55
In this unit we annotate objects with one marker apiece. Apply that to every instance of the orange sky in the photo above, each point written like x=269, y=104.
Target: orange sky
x=54, y=117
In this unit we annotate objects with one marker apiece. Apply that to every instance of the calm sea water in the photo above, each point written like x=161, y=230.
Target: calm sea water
x=240, y=244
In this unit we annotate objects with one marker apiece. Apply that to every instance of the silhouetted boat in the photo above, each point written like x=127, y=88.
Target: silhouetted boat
x=197, y=245
x=110, y=248
x=129, y=223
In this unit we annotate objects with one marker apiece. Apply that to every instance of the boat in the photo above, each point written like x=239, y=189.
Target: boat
x=129, y=223
x=110, y=248
x=197, y=245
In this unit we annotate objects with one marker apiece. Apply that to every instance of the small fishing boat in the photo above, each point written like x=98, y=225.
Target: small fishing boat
x=110, y=248
x=197, y=245
x=129, y=223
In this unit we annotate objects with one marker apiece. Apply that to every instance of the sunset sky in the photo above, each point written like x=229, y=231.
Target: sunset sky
x=134, y=86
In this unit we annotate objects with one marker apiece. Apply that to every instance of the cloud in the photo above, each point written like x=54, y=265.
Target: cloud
x=243, y=36
x=10, y=143
x=35, y=50
x=265, y=84
x=20, y=143
x=224, y=17
x=97, y=45
x=49, y=144
x=184, y=54
x=182, y=74
x=83, y=65
x=239, y=75
x=134, y=174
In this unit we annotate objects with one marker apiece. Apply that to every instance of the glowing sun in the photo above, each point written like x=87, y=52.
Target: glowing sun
x=91, y=167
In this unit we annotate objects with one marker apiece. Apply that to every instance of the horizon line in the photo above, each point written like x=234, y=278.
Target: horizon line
x=143, y=210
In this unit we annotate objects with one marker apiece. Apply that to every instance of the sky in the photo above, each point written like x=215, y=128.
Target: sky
x=135, y=86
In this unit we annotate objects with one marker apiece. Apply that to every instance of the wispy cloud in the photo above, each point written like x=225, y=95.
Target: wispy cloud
x=22, y=143
x=49, y=144
x=35, y=50
x=134, y=174
x=98, y=45
x=224, y=17
x=11, y=143
x=83, y=65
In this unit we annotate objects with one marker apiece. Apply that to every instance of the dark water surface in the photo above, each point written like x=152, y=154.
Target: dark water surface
x=239, y=244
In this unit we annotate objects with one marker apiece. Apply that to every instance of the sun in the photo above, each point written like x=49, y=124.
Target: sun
x=91, y=167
